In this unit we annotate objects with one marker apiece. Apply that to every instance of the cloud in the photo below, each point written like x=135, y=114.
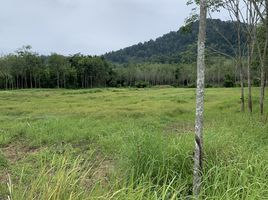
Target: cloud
x=86, y=26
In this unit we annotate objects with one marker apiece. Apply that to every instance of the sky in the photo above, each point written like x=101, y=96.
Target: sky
x=91, y=27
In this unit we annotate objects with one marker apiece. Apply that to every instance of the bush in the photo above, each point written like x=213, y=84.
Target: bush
x=256, y=82
x=228, y=82
x=141, y=84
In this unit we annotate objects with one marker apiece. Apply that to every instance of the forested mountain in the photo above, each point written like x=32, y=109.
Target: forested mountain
x=180, y=46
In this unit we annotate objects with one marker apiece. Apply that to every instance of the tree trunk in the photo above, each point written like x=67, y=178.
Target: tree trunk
x=39, y=81
x=263, y=59
x=35, y=81
x=6, y=82
x=200, y=101
x=58, y=79
x=31, y=81
x=239, y=58
x=86, y=81
x=91, y=82
x=265, y=62
x=17, y=81
x=21, y=79
x=262, y=90
x=64, y=80
x=242, y=88
x=26, y=83
x=250, y=52
x=82, y=81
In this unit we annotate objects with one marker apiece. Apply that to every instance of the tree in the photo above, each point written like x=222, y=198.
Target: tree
x=245, y=14
x=200, y=100
x=233, y=7
x=251, y=20
x=260, y=6
x=58, y=64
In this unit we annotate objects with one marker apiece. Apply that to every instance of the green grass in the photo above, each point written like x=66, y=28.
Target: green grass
x=128, y=144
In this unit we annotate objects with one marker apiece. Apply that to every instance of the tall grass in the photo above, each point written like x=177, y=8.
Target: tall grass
x=60, y=178
x=131, y=144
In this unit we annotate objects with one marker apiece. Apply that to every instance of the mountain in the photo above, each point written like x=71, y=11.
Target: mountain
x=180, y=46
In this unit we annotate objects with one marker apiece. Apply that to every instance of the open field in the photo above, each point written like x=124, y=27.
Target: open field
x=128, y=144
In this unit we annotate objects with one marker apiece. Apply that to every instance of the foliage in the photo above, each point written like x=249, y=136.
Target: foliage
x=27, y=69
x=228, y=82
x=141, y=84
x=171, y=48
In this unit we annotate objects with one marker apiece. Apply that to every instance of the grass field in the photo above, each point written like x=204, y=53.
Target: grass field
x=128, y=144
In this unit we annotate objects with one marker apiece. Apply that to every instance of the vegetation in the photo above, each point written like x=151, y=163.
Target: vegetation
x=128, y=144
x=137, y=143
x=27, y=69
x=200, y=100
x=180, y=46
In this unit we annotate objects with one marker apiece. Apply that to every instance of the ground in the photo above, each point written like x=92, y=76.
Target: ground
x=128, y=144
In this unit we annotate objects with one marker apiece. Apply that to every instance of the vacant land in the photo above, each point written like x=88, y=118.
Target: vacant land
x=128, y=144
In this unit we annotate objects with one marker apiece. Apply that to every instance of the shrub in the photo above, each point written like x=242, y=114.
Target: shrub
x=141, y=84
x=228, y=82
x=256, y=82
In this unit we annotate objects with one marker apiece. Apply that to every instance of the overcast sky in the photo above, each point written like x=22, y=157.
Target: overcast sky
x=86, y=26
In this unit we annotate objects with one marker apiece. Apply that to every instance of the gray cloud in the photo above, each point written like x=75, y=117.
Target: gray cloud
x=86, y=26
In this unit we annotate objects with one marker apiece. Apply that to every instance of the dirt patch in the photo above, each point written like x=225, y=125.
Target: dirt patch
x=101, y=173
x=4, y=177
x=180, y=128
x=18, y=151
x=103, y=170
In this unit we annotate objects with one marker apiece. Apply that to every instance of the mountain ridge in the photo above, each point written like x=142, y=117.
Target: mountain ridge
x=175, y=45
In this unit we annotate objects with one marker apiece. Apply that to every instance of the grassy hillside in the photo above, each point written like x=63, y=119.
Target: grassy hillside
x=128, y=144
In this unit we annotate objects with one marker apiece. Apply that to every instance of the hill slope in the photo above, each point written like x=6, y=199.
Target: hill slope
x=174, y=46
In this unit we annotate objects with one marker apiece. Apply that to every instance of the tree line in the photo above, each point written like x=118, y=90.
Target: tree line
x=27, y=69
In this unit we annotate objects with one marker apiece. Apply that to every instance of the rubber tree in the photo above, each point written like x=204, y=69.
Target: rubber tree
x=251, y=19
x=233, y=7
x=200, y=90
x=245, y=15
x=261, y=7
